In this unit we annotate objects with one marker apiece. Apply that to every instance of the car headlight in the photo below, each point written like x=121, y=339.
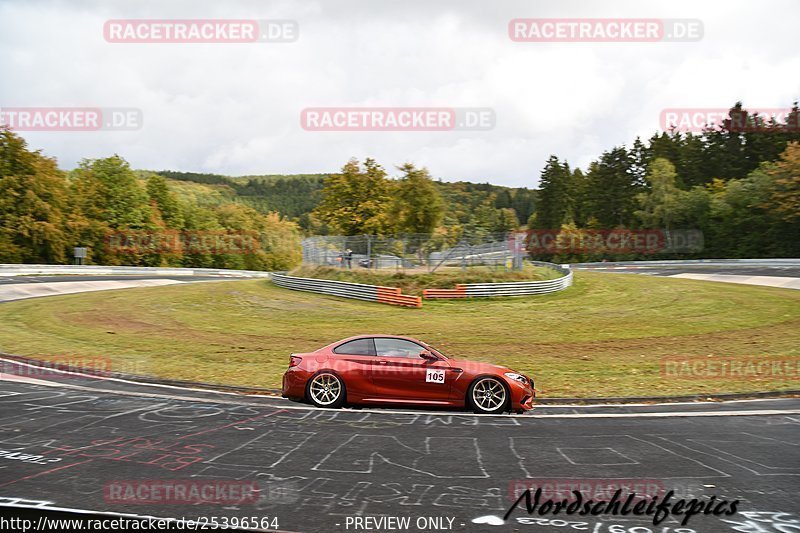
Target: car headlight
x=519, y=377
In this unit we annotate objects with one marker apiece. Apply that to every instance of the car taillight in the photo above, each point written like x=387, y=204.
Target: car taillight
x=294, y=361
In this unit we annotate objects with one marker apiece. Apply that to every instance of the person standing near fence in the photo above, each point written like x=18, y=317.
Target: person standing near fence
x=348, y=258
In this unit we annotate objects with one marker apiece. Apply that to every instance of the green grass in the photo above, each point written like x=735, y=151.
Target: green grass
x=414, y=281
x=605, y=336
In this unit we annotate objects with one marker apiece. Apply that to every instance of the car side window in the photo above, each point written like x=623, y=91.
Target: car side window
x=397, y=348
x=356, y=347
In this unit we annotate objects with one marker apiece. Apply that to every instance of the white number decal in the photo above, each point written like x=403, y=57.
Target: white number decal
x=434, y=376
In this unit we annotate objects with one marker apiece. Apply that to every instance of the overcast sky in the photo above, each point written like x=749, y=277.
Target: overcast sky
x=235, y=108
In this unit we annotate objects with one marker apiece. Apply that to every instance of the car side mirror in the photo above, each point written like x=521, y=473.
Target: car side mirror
x=429, y=356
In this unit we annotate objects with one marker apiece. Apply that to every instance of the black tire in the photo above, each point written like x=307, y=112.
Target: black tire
x=488, y=395
x=326, y=389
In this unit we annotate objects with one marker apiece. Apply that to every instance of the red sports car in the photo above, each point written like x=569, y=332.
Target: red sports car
x=393, y=370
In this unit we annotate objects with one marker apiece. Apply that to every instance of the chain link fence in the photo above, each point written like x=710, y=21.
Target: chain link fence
x=422, y=252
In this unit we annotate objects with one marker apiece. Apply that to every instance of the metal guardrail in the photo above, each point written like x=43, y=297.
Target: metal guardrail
x=99, y=270
x=358, y=291
x=790, y=262
x=514, y=288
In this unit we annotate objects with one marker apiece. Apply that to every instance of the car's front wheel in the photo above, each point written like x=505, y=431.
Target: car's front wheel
x=487, y=395
x=326, y=390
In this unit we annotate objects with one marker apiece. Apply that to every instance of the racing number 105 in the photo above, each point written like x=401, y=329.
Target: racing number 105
x=434, y=376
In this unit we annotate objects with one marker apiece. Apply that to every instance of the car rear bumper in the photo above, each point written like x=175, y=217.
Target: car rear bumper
x=294, y=383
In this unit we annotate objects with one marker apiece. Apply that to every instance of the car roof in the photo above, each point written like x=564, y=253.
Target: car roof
x=369, y=336
x=382, y=335
x=377, y=335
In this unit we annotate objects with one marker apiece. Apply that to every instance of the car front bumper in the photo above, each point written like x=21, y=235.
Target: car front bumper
x=522, y=395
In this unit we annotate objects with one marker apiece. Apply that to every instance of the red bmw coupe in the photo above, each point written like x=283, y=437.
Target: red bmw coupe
x=393, y=370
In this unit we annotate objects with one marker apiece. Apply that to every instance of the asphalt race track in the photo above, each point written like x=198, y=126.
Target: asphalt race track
x=23, y=287
x=780, y=271
x=10, y=280
x=69, y=441
x=315, y=468
x=784, y=276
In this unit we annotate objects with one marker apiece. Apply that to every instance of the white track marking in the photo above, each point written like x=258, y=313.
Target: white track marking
x=212, y=391
x=768, y=281
x=121, y=380
x=673, y=414
x=23, y=291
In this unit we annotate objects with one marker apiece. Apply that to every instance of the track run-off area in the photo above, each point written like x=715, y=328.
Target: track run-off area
x=77, y=442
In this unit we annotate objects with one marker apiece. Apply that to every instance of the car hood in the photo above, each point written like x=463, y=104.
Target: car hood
x=476, y=367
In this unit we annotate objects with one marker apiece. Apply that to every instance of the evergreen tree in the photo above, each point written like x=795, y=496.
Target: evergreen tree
x=506, y=221
x=611, y=189
x=581, y=205
x=555, y=195
x=503, y=199
x=523, y=201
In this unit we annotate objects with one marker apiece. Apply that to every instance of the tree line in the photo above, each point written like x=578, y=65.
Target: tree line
x=126, y=218
x=739, y=185
x=468, y=206
x=363, y=199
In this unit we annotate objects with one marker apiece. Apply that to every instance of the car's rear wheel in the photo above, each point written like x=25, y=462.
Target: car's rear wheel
x=487, y=395
x=326, y=390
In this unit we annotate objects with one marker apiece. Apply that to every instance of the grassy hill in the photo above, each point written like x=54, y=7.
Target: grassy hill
x=296, y=195
x=608, y=335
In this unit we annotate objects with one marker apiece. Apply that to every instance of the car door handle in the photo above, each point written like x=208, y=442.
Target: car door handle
x=456, y=370
x=383, y=362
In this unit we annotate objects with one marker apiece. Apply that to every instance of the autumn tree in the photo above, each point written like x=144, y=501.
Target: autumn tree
x=661, y=204
x=164, y=201
x=417, y=207
x=785, y=197
x=33, y=197
x=107, y=197
x=358, y=200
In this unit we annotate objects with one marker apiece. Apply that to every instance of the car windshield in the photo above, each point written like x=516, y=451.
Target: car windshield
x=434, y=350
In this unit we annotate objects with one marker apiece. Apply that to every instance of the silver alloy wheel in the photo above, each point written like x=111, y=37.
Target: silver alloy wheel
x=325, y=389
x=489, y=394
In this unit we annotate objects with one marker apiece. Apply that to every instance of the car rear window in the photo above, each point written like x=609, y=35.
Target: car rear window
x=356, y=347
